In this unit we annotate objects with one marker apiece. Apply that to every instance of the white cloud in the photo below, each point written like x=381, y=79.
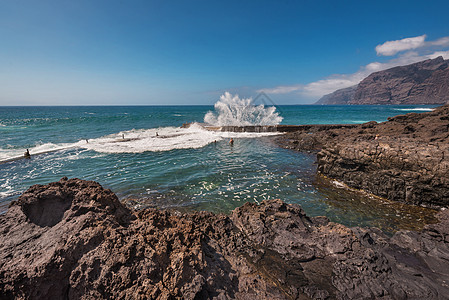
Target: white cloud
x=444, y=54
x=392, y=47
x=282, y=89
x=329, y=85
x=444, y=41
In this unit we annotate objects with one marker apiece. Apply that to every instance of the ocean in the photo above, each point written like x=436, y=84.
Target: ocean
x=143, y=155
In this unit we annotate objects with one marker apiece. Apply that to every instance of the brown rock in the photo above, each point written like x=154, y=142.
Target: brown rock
x=405, y=159
x=73, y=240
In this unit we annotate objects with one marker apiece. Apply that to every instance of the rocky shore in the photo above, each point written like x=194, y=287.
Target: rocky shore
x=404, y=159
x=73, y=239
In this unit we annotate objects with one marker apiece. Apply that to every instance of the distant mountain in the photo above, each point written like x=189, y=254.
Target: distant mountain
x=425, y=82
x=342, y=96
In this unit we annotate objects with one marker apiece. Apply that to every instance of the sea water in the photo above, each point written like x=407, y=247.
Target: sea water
x=144, y=156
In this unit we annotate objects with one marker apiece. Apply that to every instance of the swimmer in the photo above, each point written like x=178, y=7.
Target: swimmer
x=157, y=134
x=123, y=136
x=231, y=142
x=87, y=141
x=27, y=154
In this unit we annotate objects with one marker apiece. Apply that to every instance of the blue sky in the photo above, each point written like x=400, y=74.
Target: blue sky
x=190, y=52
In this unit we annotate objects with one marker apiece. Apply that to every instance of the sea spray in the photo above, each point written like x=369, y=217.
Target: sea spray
x=232, y=111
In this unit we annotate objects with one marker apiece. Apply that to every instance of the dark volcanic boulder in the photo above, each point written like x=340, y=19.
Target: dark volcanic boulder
x=74, y=240
x=48, y=231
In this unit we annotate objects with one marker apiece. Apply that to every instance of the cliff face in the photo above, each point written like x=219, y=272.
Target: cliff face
x=73, y=239
x=425, y=82
x=404, y=159
x=342, y=96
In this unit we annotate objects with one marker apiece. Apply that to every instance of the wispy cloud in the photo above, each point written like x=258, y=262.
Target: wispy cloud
x=282, y=89
x=392, y=47
x=413, y=51
x=444, y=42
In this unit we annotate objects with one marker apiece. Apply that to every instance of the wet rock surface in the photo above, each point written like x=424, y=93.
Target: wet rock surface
x=73, y=239
x=404, y=159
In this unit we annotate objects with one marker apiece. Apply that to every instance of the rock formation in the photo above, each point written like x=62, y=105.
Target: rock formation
x=404, y=159
x=425, y=82
x=73, y=239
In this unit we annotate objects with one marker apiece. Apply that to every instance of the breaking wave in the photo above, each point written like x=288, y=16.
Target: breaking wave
x=232, y=111
x=160, y=139
x=138, y=141
x=415, y=109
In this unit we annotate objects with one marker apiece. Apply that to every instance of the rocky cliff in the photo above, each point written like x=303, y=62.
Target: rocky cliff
x=342, y=96
x=405, y=159
x=425, y=82
x=73, y=239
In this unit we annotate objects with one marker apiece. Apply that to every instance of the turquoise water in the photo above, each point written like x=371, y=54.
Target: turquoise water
x=147, y=160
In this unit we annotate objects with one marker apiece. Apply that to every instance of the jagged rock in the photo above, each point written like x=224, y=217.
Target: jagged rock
x=425, y=82
x=74, y=240
x=405, y=159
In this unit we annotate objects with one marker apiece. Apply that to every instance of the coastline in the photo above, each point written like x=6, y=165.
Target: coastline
x=404, y=159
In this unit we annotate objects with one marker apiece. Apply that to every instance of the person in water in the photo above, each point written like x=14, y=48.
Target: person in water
x=27, y=154
x=231, y=142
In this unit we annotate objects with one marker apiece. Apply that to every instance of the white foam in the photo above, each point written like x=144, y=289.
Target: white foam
x=11, y=154
x=160, y=139
x=138, y=141
x=50, y=147
x=7, y=194
x=7, y=189
x=233, y=111
x=415, y=109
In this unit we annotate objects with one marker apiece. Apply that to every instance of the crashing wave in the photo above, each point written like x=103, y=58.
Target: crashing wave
x=232, y=111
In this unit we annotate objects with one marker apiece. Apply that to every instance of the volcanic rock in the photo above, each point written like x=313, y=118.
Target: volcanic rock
x=73, y=239
x=404, y=159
